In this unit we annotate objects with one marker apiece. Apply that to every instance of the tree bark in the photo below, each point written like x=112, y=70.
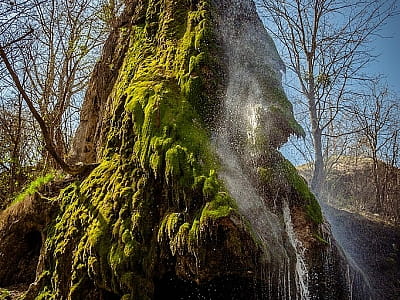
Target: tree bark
x=318, y=177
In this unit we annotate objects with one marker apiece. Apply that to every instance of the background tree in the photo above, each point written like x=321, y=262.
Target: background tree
x=66, y=40
x=16, y=140
x=326, y=46
x=50, y=47
x=377, y=116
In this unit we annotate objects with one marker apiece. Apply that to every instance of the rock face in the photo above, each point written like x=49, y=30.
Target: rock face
x=164, y=212
x=373, y=247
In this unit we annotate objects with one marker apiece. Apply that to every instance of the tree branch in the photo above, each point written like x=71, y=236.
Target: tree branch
x=49, y=144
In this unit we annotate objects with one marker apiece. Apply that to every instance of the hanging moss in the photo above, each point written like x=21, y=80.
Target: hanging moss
x=4, y=294
x=300, y=185
x=156, y=186
x=283, y=175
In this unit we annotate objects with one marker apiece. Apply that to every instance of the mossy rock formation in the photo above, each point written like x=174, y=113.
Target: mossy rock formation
x=154, y=218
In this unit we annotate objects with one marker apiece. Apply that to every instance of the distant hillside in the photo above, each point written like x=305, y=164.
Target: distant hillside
x=350, y=185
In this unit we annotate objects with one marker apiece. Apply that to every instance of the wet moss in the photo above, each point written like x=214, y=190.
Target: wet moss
x=211, y=185
x=46, y=294
x=283, y=175
x=4, y=294
x=319, y=238
x=282, y=110
x=221, y=206
x=300, y=185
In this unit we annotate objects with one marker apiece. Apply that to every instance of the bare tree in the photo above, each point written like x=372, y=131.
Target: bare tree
x=58, y=63
x=109, y=12
x=377, y=115
x=55, y=54
x=13, y=135
x=326, y=46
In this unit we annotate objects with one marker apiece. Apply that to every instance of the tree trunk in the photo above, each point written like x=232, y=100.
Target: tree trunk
x=378, y=193
x=318, y=178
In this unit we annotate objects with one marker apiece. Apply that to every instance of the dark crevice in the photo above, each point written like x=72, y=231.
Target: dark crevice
x=24, y=257
x=223, y=288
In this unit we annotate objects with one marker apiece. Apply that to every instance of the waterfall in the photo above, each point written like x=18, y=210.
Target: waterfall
x=301, y=268
x=269, y=228
x=254, y=67
x=266, y=225
x=250, y=203
x=245, y=138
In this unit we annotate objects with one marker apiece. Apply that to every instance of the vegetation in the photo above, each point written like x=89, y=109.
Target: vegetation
x=4, y=294
x=153, y=204
x=47, y=53
x=282, y=174
x=156, y=187
x=33, y=187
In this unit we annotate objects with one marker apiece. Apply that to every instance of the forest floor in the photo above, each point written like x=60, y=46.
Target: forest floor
x=373, y=245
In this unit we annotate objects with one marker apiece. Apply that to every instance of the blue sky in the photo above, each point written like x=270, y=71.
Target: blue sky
x=387, y=47
x=388, y=63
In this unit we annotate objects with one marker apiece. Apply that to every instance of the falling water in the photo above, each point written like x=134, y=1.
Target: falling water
x=357, y=280
x=252, y=64
x=266, y=224
x=301, y=268
x=250, y=203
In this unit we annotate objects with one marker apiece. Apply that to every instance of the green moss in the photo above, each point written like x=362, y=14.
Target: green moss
x=155, y=189
x=180, y=241
x=282, y=173
x=281, y=113
x=33, y=187
x=4, y=294
x=176, y=161
x=46, y=294
x=211, y=185
x=169, y=226
x=221, y=206
x=266, y=174
x=194, y=233
x=320, y=238
x=312, y=207
x=282, y=109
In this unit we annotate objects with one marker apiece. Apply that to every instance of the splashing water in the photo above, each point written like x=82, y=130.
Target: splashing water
x=253, y=64
x=301, y=268
x=266, y=225
x=250, y=203
x=240, y=138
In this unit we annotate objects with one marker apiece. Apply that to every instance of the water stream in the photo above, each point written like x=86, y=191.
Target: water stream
x=301, y=267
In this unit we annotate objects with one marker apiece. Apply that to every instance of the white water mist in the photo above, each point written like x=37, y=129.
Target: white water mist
x=254, y=68
x=301, y=267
